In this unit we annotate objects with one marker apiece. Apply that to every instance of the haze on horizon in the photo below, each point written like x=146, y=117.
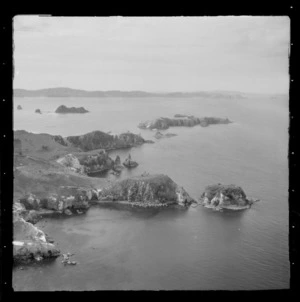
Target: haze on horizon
x=154, y=54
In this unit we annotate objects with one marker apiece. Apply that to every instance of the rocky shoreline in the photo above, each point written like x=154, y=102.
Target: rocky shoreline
x=51, y=177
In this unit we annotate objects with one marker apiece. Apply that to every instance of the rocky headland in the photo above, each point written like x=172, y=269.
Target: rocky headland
x=229, y=197
x=147, y=191
x=65, y=109
x=164, y=123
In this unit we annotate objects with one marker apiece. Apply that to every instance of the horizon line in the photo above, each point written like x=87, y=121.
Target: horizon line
x=117, y=90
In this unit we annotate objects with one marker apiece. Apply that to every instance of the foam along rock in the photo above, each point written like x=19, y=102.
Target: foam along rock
x=130, y=163
x=229, y=197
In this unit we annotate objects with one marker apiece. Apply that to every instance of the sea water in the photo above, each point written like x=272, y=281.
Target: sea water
x=128, y=248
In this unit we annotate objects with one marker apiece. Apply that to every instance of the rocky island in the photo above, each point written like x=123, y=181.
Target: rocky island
x=229, y=197
x=64, y=109
x=163, y=123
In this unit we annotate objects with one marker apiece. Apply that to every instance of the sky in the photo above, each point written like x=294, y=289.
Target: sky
x=155, y=54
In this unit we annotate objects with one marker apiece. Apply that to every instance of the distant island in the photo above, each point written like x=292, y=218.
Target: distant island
x=65, y=109
x=164, y=123
x=69, y=92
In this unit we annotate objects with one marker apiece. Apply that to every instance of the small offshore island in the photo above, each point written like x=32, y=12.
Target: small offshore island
x=52, y=177
x=65, y=109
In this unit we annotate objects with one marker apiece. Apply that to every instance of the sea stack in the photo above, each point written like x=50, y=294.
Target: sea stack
x=130, y=163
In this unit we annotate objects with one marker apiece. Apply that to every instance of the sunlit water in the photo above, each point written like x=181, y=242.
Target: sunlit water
x=125, y=248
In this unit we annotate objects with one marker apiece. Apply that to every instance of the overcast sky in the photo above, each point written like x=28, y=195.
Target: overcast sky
x=244, y=53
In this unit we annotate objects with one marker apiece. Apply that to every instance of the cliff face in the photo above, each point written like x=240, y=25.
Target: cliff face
x=149, y=190
x=229, y=197
x=163, y=123
x=30, y=243
x=64, y=109
x=100, y=140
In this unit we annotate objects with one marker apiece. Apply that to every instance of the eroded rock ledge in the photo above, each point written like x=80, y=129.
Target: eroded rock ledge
x=163, y=123
x=230, y=197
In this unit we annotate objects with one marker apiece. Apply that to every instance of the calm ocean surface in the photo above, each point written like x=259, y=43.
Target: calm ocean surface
x=122, y=248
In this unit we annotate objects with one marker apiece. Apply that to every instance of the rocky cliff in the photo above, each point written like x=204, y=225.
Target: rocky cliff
x=163, y=123
x=29, y=242
x=147, y=191
x=229, y=197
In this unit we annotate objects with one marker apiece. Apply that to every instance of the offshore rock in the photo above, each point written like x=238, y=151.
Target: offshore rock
x=38, y=111
x=229, y=197
x=128, y=163
x=64, y=109
x=19, y=107
x=148, y=190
